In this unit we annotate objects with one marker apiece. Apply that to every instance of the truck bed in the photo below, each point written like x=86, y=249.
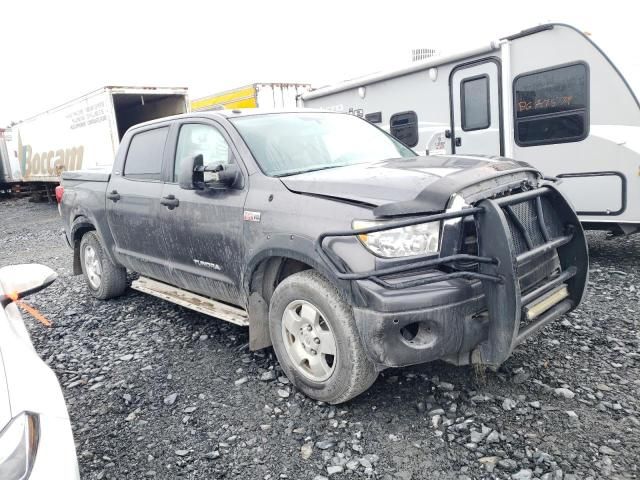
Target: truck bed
x=84, y=201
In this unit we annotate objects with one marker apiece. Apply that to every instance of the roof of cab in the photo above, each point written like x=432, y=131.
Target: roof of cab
x=235, y=113
x=238, y=112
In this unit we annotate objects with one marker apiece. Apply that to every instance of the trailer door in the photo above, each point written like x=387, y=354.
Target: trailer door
x=476, y=117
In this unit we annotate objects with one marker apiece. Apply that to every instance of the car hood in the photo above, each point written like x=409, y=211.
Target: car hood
x=404, y=185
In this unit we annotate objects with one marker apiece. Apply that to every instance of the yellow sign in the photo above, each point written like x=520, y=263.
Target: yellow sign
x=243, y=97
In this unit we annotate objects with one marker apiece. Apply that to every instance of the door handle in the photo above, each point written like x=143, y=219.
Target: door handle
x=447, y=133
x=458, y=141
x=113, y=196
x=170, y=201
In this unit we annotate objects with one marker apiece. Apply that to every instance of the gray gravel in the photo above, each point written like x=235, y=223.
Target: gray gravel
x=158, y=391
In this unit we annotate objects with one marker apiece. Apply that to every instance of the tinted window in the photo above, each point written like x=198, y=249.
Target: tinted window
x=552, y=106
x=144, y=157
x=475, y=103
x=202, y=139
x=374, y=117
x=404, y=126
x=557, y=127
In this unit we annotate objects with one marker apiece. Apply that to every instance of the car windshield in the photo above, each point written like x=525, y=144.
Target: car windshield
x=290, y=143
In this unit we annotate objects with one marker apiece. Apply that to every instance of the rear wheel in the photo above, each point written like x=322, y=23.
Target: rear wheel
x=316, y=341
x=104, y=279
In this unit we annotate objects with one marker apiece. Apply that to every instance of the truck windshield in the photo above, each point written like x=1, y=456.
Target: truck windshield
x=290, y=143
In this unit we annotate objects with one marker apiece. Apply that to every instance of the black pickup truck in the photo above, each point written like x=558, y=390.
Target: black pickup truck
x=330, y=240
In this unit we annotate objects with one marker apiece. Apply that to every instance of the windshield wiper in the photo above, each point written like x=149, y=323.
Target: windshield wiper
x=315, y=169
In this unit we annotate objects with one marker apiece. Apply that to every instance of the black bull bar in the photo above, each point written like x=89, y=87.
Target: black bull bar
x=498, y=263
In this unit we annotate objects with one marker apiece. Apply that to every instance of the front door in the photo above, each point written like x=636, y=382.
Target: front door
x=132, y=204
x=476, y=117
x=203, y=237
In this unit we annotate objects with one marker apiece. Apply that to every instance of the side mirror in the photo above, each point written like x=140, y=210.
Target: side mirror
x=221, y=176
x=191, y=176
x=18, y=281
x=195, y=176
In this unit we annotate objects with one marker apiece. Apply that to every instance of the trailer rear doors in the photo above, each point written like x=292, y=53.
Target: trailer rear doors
x=476, y=114
x=132, y=108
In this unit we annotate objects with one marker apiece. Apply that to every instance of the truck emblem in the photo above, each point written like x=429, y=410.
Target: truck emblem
x=250, y=216
x=202, y=263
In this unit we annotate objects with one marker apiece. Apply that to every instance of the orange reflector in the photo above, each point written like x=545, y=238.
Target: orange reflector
x=33, y=312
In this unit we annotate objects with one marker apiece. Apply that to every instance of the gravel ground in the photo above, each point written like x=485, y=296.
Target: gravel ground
x=157, y=391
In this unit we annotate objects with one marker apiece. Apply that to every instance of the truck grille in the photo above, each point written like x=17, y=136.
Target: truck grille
x=522, y=219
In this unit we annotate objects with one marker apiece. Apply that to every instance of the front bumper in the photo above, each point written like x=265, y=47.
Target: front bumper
x=531, y=268
x=422, y=333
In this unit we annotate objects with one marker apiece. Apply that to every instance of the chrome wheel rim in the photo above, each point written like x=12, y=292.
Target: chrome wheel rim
x=309, y=340
x=92, y=266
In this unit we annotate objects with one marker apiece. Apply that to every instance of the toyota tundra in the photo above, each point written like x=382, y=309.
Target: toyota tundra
x=330, y=240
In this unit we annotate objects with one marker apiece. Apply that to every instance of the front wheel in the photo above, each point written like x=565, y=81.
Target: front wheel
x=315, y=339
x=104, y=279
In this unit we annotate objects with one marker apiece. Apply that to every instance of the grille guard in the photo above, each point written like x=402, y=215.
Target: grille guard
x=497, y=265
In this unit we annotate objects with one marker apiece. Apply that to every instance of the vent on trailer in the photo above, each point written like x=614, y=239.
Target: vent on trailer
x=418, y=54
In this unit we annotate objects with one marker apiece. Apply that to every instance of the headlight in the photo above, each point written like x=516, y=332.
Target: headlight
x=419, y=239
x=18, y=446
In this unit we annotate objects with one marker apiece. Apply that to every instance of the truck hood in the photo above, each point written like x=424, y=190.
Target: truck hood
x=400, y=186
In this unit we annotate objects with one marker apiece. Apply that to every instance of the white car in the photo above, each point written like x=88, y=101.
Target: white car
x=36, y=441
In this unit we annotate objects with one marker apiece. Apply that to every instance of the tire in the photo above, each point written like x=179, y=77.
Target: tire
x=320, y=375
x=111, y=280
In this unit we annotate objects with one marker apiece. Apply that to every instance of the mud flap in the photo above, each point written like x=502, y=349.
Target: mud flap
x=259, y=336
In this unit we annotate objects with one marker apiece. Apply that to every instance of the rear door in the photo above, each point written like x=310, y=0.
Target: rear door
x=476, y=117
x=133, y=202
x=203, y=234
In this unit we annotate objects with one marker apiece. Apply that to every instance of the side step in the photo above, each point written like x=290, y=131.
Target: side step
x=192, y=300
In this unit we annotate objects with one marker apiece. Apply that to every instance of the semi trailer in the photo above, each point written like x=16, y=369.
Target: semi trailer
x=255, y=95
x=85, y=132
x=9, y=167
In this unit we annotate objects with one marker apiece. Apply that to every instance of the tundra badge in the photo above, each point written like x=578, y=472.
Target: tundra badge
x=202, y=263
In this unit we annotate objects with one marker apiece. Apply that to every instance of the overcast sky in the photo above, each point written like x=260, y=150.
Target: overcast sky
x=53, y=51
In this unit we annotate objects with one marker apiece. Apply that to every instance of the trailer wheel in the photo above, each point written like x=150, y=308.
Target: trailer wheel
x=104, y=279
x=315, y=339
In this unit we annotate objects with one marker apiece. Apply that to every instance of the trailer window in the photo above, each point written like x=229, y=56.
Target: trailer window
x=374, y=117
x=551, y=106
x=474, y=96
x=144, y=157
x=404, y=126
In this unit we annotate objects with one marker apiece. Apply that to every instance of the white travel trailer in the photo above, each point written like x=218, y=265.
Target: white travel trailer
x=547, y=96
x=85, y=132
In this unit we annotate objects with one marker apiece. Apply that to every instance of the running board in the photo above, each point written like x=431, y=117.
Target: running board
x=192, y=300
